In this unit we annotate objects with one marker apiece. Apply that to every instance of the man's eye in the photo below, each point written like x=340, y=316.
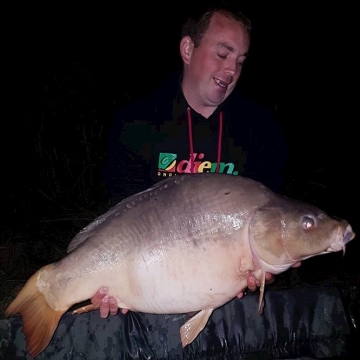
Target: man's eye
x=222, y=56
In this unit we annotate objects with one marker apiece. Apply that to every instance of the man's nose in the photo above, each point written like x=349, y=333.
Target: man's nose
x=231, y=68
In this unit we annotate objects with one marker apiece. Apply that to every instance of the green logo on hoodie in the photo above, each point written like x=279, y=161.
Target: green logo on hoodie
x=168, y=163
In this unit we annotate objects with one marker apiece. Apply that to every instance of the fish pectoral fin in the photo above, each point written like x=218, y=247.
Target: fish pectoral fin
x=192, y=328
x=39, y=319
x=262, y=291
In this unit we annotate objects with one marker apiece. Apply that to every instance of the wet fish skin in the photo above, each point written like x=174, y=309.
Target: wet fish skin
x=185, y=245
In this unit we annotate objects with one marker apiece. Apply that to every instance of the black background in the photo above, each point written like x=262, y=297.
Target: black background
x=69, y=69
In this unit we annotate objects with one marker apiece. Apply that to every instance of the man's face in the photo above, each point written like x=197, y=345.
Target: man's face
x=214, y=67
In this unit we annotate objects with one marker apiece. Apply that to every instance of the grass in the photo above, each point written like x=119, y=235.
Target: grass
x=52, y=185
x=40, y=240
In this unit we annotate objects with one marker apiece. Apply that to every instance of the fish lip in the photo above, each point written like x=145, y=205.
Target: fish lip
x=341, y=239
x=349, y=235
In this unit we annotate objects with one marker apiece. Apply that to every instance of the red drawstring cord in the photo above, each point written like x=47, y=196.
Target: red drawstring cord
x=192, y=144
x=190, y=140
x=219, y=141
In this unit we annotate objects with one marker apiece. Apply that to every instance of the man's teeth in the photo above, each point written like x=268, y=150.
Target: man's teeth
x=221, y=83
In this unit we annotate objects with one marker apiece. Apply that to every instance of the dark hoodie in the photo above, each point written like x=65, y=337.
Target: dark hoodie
x=161, y=136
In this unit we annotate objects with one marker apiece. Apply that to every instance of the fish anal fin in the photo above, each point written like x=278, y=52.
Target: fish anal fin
x=39, y=319
x=192, y=328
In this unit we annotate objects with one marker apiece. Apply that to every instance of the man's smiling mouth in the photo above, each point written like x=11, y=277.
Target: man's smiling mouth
x=222, y=84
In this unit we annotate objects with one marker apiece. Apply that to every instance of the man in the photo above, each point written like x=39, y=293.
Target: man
x=196, y=122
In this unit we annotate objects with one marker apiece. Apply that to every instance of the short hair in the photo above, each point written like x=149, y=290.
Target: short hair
x=196, y=25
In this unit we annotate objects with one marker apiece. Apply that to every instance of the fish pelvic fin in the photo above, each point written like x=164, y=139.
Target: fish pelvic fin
x=262, y=293
x=192, y=328
x=39, y=319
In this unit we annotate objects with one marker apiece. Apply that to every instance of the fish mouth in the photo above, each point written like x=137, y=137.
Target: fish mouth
x=341, y=239
x=349, y=235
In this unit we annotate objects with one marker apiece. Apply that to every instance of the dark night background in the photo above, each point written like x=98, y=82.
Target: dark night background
x=69, y=70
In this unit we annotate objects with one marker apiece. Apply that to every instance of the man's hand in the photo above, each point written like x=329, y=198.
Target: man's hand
x=106, y=304
x=253, y=283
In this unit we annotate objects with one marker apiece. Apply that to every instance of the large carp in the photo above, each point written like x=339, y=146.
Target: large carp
x=185, y=245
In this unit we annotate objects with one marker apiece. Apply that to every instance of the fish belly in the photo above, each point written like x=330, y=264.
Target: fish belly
x=167, y=280
x=162, y=279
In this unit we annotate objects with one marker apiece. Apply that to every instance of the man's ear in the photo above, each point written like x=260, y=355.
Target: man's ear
x=186, y=48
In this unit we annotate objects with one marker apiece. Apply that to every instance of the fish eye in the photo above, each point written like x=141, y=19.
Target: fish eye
x=308, y=222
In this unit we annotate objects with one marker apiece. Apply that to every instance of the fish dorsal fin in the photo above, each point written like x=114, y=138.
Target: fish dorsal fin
x=191, y=329
x=121, y=208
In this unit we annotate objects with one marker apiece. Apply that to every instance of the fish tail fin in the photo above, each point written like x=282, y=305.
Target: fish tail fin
x=39, y=319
